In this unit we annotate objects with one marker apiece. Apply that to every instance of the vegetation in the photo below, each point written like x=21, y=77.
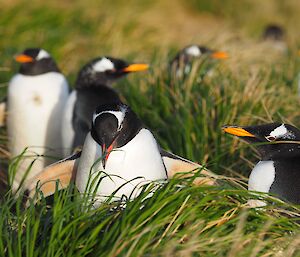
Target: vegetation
x=256, y=84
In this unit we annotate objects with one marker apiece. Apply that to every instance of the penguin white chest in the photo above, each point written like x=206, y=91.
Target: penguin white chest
x=35, y=105
x=262, y=176
x=139, y=157
x=126, y=168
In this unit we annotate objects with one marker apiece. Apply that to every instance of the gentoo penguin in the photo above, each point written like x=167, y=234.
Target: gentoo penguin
x=36, y=99
x=120, y=154
x=273, y=32
x=274, y=36
x=278, y=170
x=181, y=64
x=93, y=88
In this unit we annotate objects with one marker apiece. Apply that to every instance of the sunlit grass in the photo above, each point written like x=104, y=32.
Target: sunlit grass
x=256, y=84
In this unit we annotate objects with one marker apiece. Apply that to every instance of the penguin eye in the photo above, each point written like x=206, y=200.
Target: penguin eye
x=270, y=138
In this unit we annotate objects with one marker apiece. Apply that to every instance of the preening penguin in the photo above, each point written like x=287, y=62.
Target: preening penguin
x=181, y=64
x=120, y=153
x=93, y=88
x=36, y=99
x=278, y=170
x=130, y=153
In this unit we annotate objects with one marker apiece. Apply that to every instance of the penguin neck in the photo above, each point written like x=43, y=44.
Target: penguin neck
x=88, y=82
x=39, y=68
x=283, y=159
x=288, y=162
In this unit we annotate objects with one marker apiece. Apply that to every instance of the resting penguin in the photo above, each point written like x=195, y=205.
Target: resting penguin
x=93, y=87
x=36, y=98
x=181, y=64
x=275, y=37
x=278, y=171
x=120, y=153
x=273, y=32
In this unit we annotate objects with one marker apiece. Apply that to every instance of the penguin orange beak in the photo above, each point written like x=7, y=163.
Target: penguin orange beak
x=106, y=152
x=23, y=58
x=237, y=131
x=219, y=55
x=136, y=67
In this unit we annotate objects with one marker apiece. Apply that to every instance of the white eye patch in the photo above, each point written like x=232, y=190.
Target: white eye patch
x=118, y=114
x=103, y=65
x=282, y=132
x=193, y=51
x=42, y=54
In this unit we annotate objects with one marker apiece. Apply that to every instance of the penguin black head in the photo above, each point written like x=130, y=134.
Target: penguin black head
x=273, y=32
x=113, y=126
x=185, y=56
x=274, y=140
x=191, y=52
x=36, y=61
x=104, y=71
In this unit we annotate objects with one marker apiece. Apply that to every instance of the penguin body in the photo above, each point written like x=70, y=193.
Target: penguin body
x=123, y=154
x=35, y=103
x=93, y=87
x=273, y=32
x=278, y=170
x=181, y=64
x=127, y=167
x=119, y=155
x=274, y=36
x=262, y=176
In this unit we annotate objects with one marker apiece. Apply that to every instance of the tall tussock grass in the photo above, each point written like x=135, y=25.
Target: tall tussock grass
x=256, y=84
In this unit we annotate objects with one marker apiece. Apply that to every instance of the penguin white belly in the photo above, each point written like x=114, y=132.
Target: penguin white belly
x=35, y=105
x=261, y=179
x=139, y=161
x=67, y=131
x=262, y=176
x=90, y=154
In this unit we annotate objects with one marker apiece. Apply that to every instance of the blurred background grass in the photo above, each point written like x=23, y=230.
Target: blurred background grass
x=256, y=84
x=75, y=31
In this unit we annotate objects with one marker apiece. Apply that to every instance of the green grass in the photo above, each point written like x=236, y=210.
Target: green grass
x=255, y=85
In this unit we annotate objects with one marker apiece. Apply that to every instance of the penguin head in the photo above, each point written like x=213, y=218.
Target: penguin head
x=185, y=56
x=273, y=140
x=273, y=32
x=113, y=126
x=36, y=61
x=196, y=51
x=105, y=70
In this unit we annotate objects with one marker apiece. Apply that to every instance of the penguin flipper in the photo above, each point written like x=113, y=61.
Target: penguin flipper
x=61, y=173
x=2, y=113
x=175, y=164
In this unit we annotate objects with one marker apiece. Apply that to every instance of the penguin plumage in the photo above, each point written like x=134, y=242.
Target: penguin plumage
x=278, y=170
x=275, y=38
x=93, y=87
x=273, y=32
x=36, y=99
x=127, y=153
x=181, y=64
x=121, y=154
